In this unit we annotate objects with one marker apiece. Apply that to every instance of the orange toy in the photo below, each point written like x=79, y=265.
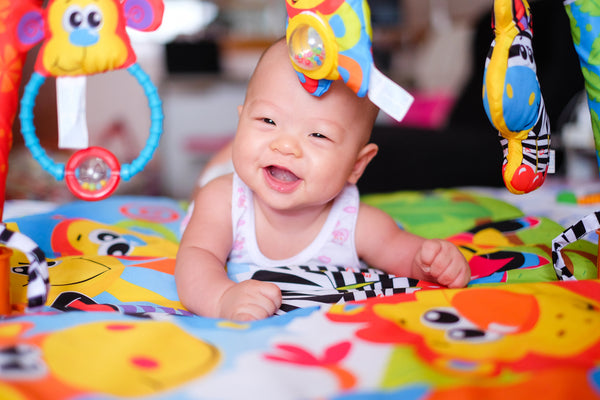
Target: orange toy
x=12, y=58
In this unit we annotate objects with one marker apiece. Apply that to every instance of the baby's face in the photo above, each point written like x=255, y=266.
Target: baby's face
x=294, y=149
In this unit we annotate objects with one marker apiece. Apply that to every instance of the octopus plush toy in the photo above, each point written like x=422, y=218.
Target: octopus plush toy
x=512, y=98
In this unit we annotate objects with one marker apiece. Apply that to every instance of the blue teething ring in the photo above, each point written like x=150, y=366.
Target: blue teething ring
x=57, y=170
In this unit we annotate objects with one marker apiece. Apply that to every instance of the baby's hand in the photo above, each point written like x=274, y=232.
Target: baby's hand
x=442, y=261
x=250, y=300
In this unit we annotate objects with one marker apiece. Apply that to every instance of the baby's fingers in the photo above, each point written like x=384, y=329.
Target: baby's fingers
x=455, y=275
x=258, y=300
x=426, y=257
x=271, y=292
x=252, y=312
x=443, y=262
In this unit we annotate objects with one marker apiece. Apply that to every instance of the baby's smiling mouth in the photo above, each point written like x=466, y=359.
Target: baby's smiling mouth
x=281, y=174
x=281, y=179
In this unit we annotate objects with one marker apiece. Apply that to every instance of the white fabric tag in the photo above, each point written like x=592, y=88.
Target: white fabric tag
x=70, y=103
x=386, y=94
x=551, y=162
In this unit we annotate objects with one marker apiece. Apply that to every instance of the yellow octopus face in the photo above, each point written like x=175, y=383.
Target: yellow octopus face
x=80, y=236
x=507, y=324
x=85, y=37
x=128, y=358
x=89, y=275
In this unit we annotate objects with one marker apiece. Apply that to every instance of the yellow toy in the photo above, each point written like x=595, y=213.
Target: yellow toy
x=80, y=38
x=512, y=98
x=330, y=40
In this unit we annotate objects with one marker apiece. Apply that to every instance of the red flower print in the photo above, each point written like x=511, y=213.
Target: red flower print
x=329, y=360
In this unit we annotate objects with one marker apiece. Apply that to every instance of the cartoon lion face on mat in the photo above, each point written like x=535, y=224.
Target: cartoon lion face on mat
x=506, y=324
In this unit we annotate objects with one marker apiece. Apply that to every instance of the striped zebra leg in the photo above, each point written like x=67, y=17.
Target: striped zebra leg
x=532, y=157
x=588, y=224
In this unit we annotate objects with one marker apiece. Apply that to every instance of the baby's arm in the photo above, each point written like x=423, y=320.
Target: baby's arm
x=202, y=282
x=382, y=244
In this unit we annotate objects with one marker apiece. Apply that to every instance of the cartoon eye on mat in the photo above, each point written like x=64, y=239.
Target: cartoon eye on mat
x=79, y=38
x=441, y=317
x=457, y=328
x=23, y=268
x=114, y=244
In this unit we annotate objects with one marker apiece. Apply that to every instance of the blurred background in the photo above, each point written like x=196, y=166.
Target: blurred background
x=203, y=54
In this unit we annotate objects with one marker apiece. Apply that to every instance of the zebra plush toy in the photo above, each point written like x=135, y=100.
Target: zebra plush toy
x=512, y=98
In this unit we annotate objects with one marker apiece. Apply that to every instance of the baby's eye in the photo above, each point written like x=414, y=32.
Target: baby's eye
x=268, y=121
x=318, y=135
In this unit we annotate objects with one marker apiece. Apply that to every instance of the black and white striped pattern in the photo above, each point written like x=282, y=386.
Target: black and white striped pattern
x=588, y=224
x=304, y=286
x=536, y=148
x=39, y=283
x=293, y=300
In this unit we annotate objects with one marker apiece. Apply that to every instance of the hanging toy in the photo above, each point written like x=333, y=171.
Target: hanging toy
x=79, y=38
x=512, y=98
x=12, y=60
x=330, y=40
x=585, y=29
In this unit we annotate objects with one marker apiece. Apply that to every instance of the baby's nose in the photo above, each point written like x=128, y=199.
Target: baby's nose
x=287, y=145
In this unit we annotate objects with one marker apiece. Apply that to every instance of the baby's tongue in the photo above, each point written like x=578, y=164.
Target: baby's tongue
x=282, y=174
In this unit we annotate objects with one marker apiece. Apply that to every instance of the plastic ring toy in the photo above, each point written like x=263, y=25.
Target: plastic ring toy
x=102, y=158
x=92, y=173
x=312, y=46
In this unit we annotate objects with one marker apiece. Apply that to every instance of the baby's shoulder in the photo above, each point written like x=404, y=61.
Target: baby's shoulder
x=218, y=189
x=371, y=219
x=223, y=181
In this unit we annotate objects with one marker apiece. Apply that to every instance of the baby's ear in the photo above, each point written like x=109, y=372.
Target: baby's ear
x=240, y=108
x=365, y=156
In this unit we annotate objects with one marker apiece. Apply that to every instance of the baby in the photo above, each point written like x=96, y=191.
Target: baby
x=297, y=159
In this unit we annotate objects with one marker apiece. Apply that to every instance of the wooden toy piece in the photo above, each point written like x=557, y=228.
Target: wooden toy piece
x=5, y=307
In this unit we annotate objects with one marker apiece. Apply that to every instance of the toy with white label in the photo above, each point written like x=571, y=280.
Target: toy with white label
x=80, y=38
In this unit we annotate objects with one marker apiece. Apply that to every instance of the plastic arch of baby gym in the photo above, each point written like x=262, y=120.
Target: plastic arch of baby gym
x=512, y=98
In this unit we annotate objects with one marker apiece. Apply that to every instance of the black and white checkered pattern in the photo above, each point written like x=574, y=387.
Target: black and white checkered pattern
x=588, y=224
x=39, y=283
x=309, y=286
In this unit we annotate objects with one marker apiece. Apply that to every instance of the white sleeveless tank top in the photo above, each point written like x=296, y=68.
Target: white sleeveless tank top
x=333, y=246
